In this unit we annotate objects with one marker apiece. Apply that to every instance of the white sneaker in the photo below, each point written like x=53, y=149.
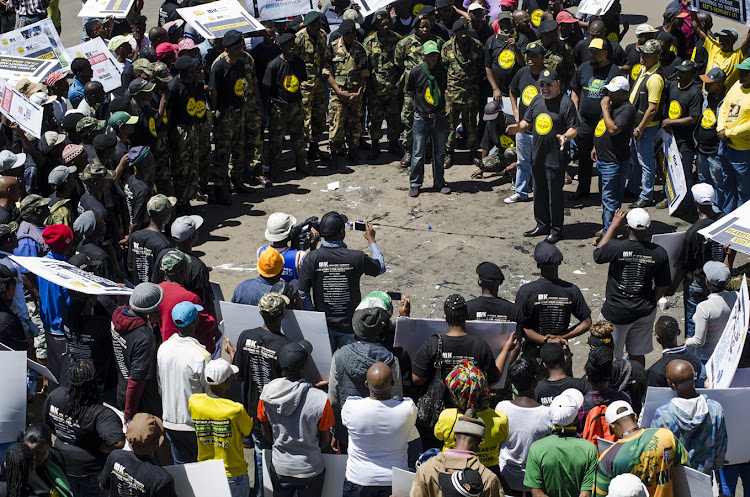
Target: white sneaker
x=515, y=198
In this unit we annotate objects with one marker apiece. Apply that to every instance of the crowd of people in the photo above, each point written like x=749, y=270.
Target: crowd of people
x=149, y=379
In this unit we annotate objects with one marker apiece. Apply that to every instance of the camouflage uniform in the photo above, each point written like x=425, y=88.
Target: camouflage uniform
x=383, y=92
x=465, y=72
x=349, y=69
x=163, y=173
x=228, y=126
x=61, y=213
x=559, y=58
x=286, y=117
x=408, y=55
x=183, y=144
x=315, y=53
x=498, y=161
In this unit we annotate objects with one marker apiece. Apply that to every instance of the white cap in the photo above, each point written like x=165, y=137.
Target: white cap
x=627, y=485
x=645, y=28
x=612, y=415
x=618, y=83
x=184, y=227
x=219, y=370
x=41, y=98
x=279, y=226
x=564, y=408
x=476, y=6
x=49, y=139
x=703, y=194
x=638, y=219
x=9, y=160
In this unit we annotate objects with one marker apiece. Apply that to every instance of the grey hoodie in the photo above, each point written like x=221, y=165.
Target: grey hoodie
x=294, y=410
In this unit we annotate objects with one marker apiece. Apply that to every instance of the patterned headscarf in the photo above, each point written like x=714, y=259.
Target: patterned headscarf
x=468, y=387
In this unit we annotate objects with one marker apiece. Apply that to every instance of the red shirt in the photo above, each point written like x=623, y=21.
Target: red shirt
x=173, y=295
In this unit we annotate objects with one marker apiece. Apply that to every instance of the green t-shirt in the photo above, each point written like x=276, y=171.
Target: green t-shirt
x=561, y=465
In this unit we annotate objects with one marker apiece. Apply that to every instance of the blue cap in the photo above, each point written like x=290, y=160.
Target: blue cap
x=184, y=313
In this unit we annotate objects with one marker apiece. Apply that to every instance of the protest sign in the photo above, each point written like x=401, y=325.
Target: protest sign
x=200, y=479
x=669, y=160
x=671, y=242
x=36, y=41
x=411, y=333
x=297, y=325
x=734, y=10
x=402, y=482
x=723, y=362
x=42, y=370
x=68, y=276
x=594, y=7
x=103, y=63
x=335, y=467
x=12, y=395
x=688, y=481
x=212, y=20
x=371, y=6
x=269, y=10
x=15, y=69
x=119, y=9
x=736, y=404
x=16, y=107
x=734, y=229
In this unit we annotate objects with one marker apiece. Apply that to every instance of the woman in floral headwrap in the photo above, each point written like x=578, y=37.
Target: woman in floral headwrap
x=469, y=391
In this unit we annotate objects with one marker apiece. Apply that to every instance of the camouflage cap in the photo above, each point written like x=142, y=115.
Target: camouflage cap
x=93, y=172
x=90, y=124
x=31, y=202
x=273, y=304
x=174, y=261
x=142, y=65
x=651, y=46
x=160, y=202
x=160, y=71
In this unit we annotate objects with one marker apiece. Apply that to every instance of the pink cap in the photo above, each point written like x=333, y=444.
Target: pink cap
x=508, y=3
x=565, y=17
x=54, y=77
x=165, y=48
x=186, y=44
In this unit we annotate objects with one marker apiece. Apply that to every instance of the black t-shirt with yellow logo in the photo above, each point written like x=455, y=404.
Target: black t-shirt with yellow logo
x=424, y=101
x=145, y=133
x=525, y=86
x=615, y=148
x=182, y=103
x=228, y=80
x=588, y=82
x=503, y=61
x=283, y=79
x=547, y=119
x=684, y=103
x=708, y=139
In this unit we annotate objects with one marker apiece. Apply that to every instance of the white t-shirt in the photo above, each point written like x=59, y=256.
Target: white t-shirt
x=378, y=437
x=526, y=425
x=181, y=364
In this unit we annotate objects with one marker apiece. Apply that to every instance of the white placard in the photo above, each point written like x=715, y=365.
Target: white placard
x=15, y=69
x=18, y=108
x=42, y=370
x=594, y=7
x=671, y=242
x=297, y=325
x=726, y=356
x=732, y=229
x=736, y=404
x=36, y=41
x=411, y=333
x=12, y=395
x=213, y=19
x=68, y=276
x=270, y=10
x=371, y=6
x=335, y=466
x=669, y=160
x=118, y=9
x=103, y=63
x=402, y=482
x=200, y=479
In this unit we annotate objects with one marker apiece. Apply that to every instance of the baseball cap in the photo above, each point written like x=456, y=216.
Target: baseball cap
x=508, y=3
x=139, y=85
x=548, y=26
x=651, y=46
x=596, y=44
x=186, y=44
x=332, y=223
x=717, y=273
x=49, y=140
x=145, y=432
x=463, y=483
x=729, y=32
x=564, y=408
x=546, y=253
x=618, y=83
x=104, y=141
x=184, y=313
x=687, y=66
x=54, y=77
x=346, y=26
x=645, y=29
x=673, y=13
x=430, y=47
x=377, y=299
x=31, y=202
x=715, y=75
x=89, y=124
x=174, y=261
x=120, y=118
x=142, y=65
x=85, y=224
x=534, y=47
x=94, y=171
x=40, y=98
x=164, y=49
x=279, y=226
x=286, y=38
x=137, y=154
x=294, y=355
x=491, y=110
x=475, y=6
x=118, y=41
x=59, y=174
x=218, y=371
x=161, y=72
x=548, y=76
x=564, y=17
x=273, y=304
x=270, y=263
x=441, y=4
x=9, y=160
x=28, y=87
x=744, y=65
x=504, y=15
x=703, y=193
x=231, y=38
x=160, y=203
x=82, y=261
x=617, y=410
x=638, y=219
x=183, y=227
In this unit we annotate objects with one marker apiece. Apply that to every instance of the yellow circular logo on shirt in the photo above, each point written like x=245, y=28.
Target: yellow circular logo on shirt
x=239, y=87
x=200, y=109
x=191, y=106
x=417, y=7
x=635, y=71
x=536, y=17
x=506, y=141
x=674, y=109
x=152, y=126
x=709, y=119
x=291, y=83
x=428, y=96
x=600, y=128
x=528, y=94
x=506, y=59
x=543, y=124
x=614, y=37
x=21, y=50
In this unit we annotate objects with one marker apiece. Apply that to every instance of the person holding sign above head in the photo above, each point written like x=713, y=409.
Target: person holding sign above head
x=720, y=48
x=552, y=117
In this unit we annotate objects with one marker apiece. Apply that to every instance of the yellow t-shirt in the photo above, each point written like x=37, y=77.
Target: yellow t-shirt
x=654, y=86
x=725, y=60
x=734, y=117
x=219, y=426
x=495, y=424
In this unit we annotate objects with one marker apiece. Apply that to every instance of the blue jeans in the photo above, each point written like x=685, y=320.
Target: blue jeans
x=612, y=177
x=435, y=129
x=286, y=486
x=184, y=446
x=737, y=167
x=692, y=295
x=338, y=339
x=259, y=444
x=643, y=172
x=239, y=486
x=711, y=170
x=727, y=478
x=354, y=490
x=86, y=486
x=524, y=144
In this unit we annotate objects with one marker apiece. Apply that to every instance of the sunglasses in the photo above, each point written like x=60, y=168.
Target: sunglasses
x=545, y=85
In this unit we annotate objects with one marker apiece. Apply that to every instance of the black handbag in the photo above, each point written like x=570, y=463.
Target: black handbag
x=432, y=403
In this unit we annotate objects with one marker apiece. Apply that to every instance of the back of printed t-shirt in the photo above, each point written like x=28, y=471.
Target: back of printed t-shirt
x=144, y=246
x=128, y=475
x=546, y=390
x=546, y=306
x=485, y=308
x=455, y=350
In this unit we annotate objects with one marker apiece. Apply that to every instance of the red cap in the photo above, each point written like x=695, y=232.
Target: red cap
x=164, y=48
x=58, y=237
x=508, y=3
x=565, y=17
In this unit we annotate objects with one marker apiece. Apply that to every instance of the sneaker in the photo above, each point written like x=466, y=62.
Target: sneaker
x=414, y=192
x=515, y=198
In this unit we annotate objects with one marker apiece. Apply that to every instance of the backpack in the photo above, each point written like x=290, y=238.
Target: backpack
x=595, y=425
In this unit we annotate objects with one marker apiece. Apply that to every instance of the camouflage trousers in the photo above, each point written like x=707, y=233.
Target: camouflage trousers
x=407, y=121
x=230, y=142
x=469, y=112
x=203, y=140
x=498, y=161
x=286, y=117
x=385, y=106
x=253, y=137
x=184, y=144
x=314, y=106
x=344, y=122
x=163, y=172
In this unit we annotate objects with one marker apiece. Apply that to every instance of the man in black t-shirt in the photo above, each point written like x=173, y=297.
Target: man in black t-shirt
x=144, y=245
x=503, y=57
x=183, y=138
x=263, y=53
x=488, y=306
x=553, y=118
x=141, y=92
x=666, y=331
x=638, y=277
x=598, y=31
x=138, y=188
x=632, y=66
x=426, y=85
x=707, y=161
x=553, y=360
